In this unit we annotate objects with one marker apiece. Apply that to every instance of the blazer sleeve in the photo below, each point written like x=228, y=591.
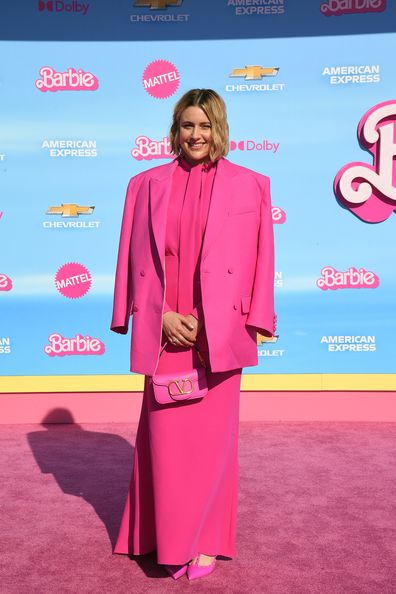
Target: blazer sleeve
x=261, y=312
x=123, y=292
x=197, y=311
x=167, y=307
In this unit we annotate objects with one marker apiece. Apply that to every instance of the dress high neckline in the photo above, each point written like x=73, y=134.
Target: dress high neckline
x=188, y=166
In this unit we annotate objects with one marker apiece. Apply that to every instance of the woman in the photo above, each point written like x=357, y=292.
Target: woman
x=195, y=268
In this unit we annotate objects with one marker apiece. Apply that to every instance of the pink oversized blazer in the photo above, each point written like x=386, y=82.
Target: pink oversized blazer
x=237, y=266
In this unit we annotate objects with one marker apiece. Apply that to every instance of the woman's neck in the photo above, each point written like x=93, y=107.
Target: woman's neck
x=194, y=162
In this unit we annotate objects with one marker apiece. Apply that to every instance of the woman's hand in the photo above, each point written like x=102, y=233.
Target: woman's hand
x=179, y=329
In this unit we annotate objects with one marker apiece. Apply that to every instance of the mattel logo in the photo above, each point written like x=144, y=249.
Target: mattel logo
x=252, y=145
x=161, y=79
x=58, y=6
x=73, y=280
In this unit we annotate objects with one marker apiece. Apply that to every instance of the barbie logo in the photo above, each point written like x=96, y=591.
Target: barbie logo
x=5, y=283
x=278, y=215
x=351, y=279
x=151, y=149
x=80, y=345
x=338, y=7
x=369, y=191
x=71, y=80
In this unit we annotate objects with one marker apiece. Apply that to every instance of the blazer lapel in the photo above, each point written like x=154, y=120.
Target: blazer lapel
x=220, y=202
x=160, y=188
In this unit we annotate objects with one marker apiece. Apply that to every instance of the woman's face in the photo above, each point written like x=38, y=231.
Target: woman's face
x=195, y=132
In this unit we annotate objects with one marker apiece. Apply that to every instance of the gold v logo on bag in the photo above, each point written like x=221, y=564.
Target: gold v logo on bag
x=187, y=384
x=183, y=386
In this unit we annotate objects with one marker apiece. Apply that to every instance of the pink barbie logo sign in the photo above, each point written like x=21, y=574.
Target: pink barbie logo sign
x=79, y=345
x=338, y=7
x=73, y=280
x=71, y=80
x=161, y=79
x=350, y=279
x=148, y=149
x=278, y=215
x=369, y=191
x=5, y=283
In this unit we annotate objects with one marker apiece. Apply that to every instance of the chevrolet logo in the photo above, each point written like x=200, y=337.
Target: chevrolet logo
x=261, y=339
x=70, y=210
x=254, y=72
x=157, y=4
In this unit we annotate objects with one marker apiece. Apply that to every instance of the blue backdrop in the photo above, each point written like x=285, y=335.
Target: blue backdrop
x=324, y=65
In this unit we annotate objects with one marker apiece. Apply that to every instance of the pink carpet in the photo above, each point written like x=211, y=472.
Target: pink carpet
x=317, y=511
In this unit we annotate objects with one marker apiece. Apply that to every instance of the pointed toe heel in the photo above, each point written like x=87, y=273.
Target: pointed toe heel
x=195, y=571
x=176, y=571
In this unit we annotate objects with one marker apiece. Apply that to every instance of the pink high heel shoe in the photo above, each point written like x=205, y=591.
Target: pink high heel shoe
x=196, y=571
x=176, y=571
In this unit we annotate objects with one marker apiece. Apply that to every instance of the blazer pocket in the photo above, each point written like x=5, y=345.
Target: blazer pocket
x=245, y=302
x=241, y=212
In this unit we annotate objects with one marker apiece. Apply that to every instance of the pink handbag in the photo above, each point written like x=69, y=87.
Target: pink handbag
x=181, y=385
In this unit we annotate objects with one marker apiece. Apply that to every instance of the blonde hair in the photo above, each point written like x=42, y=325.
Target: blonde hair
x=215, y=109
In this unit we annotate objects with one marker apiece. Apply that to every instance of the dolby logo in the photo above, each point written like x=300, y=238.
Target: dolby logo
x=251, y=145
x=60, y=6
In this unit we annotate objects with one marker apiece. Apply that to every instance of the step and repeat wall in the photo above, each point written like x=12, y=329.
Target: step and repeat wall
x=87, y=91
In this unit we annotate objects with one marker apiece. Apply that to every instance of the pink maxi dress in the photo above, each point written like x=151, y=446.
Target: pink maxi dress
x=182, y=498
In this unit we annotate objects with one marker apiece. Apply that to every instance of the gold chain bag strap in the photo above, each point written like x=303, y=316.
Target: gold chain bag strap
x=181, y=385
